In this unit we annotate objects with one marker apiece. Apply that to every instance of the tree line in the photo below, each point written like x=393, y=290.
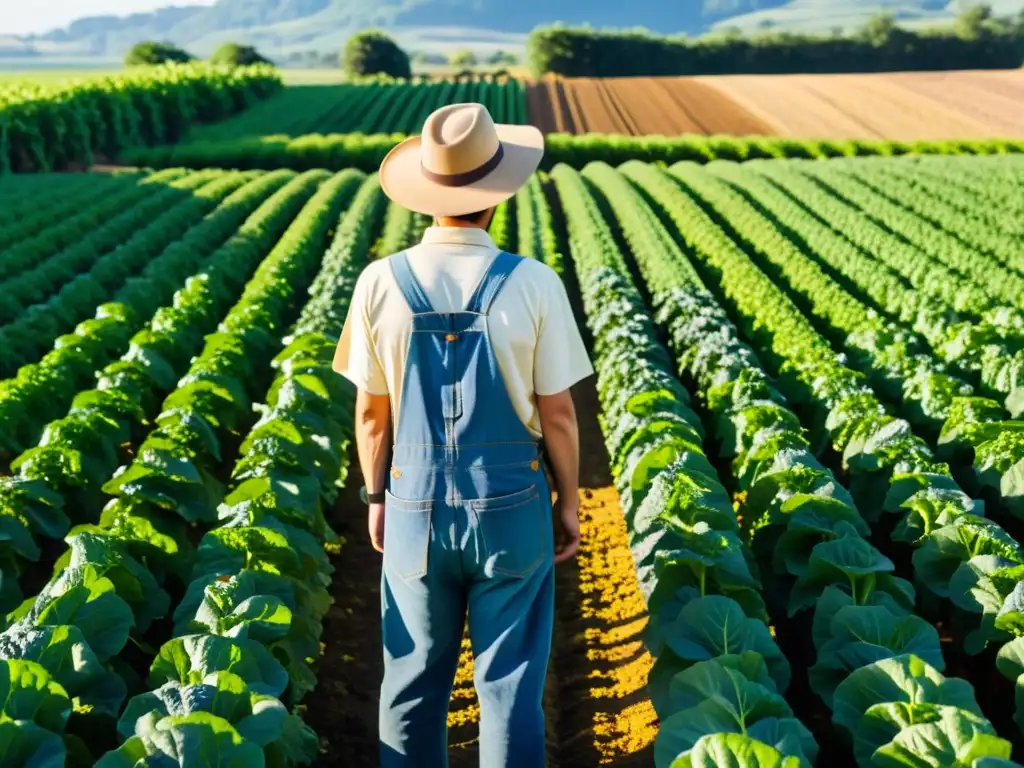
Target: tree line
x=154, y=52
x=976, y=40
x=370, y=52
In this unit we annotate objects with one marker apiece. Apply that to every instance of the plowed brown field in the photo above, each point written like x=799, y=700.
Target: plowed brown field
x=638, y=106
x=905, y=106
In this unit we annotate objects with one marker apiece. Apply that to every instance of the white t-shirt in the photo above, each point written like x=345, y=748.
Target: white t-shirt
x=531, y=325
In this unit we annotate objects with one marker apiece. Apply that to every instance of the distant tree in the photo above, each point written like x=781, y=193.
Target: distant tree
x=373, y=52
x=150, y=52
x=426, y=58
x=237, y=55
x=974, y=21
x=463, y=59
x=880, y=29
x=502, y=58
x=732, y=33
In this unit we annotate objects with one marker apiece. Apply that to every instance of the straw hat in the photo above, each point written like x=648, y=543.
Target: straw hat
x=462, y=162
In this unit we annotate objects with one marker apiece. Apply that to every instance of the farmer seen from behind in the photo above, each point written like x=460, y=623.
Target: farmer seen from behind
x=464, y=356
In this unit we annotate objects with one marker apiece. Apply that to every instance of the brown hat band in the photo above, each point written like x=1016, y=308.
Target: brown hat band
x=465, y=178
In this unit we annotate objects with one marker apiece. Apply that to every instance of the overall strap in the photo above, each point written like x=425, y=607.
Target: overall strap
x=492, y=282
x=417, y=300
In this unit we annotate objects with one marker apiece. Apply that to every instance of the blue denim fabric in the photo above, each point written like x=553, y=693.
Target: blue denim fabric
x=467, y=528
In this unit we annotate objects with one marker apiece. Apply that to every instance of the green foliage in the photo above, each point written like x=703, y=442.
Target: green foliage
x=464, y=59
x=373, y=52
x=502, y=58
x=733, y=750
x=183, y=740
x=876, y=665
x=208, y=565
x=248, y=627
x=151, y=52
x=34, y=711
x=237, y=55
x=355, y=150
x=51, y=127
x=974, y=22
x=880, y=30
x=370, y=106
x=975, y=43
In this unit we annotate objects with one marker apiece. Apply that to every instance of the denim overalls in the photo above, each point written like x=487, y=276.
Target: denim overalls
x=468, y=524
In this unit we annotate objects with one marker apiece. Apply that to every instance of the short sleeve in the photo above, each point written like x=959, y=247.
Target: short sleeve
x=356, y=355
x=561, y=358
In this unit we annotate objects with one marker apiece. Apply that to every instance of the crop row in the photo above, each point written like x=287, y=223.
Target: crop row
x=890, y=468
x=42, y=390
x=60, y=290
x=963, y=325
x=186, y=441
x=899, y=362
x=57, y=483
x=52, y=127
x=28, y=208
x=364, y=108
x=677, y=512
x=259, y=580
x=799, y=524
x=356, y=150
x=247, y=596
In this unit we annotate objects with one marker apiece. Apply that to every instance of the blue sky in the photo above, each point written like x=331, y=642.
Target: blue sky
x=22, y=17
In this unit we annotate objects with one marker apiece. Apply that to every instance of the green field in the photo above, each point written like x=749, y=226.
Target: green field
x=803, y=458
x=290, y=75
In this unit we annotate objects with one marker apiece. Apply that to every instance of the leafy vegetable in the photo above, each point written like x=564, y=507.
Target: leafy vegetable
x=709, y=697
x=730, y=750
x=200, y=738
x=861, y=635
x=901, y=679
x=191, y=658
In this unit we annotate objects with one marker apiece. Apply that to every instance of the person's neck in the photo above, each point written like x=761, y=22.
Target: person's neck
x=444, y=221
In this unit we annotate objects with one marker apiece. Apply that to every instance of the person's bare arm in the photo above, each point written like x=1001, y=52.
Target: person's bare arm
x=373, y=432
x=561, y=438
x=373, y=435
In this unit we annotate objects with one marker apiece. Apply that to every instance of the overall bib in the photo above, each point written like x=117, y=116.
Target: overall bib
x=468, y=526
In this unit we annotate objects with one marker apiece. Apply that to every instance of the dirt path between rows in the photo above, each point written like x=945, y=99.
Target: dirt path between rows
x=540, y=108
x=549, y=108
x=597, y=709
x=577, y=119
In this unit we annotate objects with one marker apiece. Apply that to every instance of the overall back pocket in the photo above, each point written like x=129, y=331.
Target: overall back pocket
x=515, y=531
x=406, y=536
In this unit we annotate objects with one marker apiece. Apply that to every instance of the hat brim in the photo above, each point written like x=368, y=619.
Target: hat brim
x=403, y=182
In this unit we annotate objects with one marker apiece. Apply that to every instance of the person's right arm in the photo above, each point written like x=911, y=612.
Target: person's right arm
x=561, y=437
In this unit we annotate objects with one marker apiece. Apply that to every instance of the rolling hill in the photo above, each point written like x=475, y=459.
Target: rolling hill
x=280, y=27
